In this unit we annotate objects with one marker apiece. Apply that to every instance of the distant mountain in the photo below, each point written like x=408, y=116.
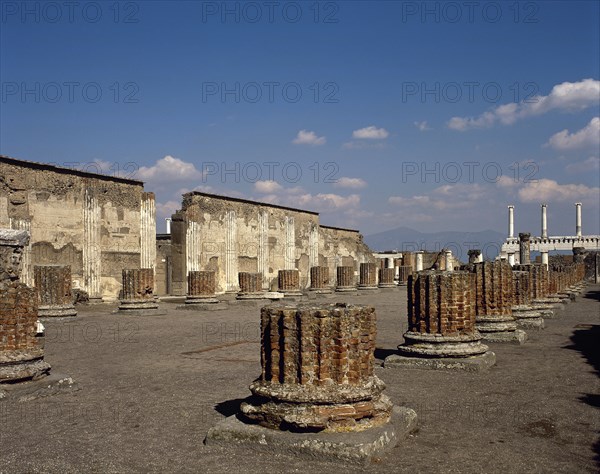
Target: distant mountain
x=406, y=239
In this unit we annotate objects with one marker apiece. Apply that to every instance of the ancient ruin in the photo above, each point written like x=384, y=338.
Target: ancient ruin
x=53, y=283
x=493, y=302
x=317, y=377
x=250, y=285
x=345, y=279
x=138, y=291
x=367, y=277
x=386, y=278
x=21, y=351
x=319, y=280
x=289, y=283
x=201, y=288
x=441, y=318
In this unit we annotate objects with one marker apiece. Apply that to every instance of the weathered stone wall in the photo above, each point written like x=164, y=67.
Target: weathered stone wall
x=229, y=235
x=96, y=224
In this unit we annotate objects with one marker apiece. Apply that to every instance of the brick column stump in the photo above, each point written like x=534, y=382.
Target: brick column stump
x=368, y=277
x=319, y=280
x=250, y=286
x=528, y=316
x=21, y=351
x=202, y=286
x=138, y=292
x=386, y=278
x=318, y=393
x=289, y=282
x=345, y=279
x=404, y=271
x=53, y=283
x=493, y=302
x=442, y=332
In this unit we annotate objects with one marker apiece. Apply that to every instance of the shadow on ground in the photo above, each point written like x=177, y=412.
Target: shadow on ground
x=229, y=407
x=592, y=295
x=381, y=354
x=587, y=342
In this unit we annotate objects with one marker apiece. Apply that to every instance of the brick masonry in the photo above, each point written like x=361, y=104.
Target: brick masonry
x=317, y=370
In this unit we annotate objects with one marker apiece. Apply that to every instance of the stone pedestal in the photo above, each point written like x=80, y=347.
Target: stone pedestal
x=493, y=301
x=21, y=350
x=441, y=318
x=524, y=249
x=345, y=279
x=317, y=387
x=53, y=283
x=404, y=272
x=250, y=286
x=368, y=276
x=202, y=286
x=526, y=315
x=138, y=291
x=386, y=278
x=289, y=282
x=319, y=280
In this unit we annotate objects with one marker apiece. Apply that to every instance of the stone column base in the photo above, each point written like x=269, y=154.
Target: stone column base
x=128, y=305
x=468, y=364
x=95, y=300
x=357, y=448
x=369, y=288
x=57, y=311
x=250, y=296
x=528, y=318
x=23, y=365
x=387, y=285
x=346, y=289
x=500, y=329
x=201, y=300
x=435, y=345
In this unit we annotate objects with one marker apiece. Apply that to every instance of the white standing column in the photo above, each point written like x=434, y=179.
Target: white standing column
x=148, y=231
x=544, y=222
x=263, y=247
x=545, y=258
x=91, y=252
x=511, y=222
x=231, y=254
x=511, y=258
x=389, y=262
x=168, y=221
x=578, y=219
x=449, y=266
x=290, y=244
x=419, y=261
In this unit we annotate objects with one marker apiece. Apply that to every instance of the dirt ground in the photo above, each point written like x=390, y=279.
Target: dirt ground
x=151, y=387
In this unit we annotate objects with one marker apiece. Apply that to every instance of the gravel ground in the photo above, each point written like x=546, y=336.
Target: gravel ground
x=152, y=386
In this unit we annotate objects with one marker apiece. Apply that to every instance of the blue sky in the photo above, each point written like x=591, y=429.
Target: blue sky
x=342, y=111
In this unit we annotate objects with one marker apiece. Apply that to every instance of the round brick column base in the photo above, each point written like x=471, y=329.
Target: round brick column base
x=367, y=287
x=387, y=285
x=435, y=345
x=129, y=305
x=23, y=365
x=56, y=311
x=250, y=296
x=321, y=291
x=342, y=289
x=201, y=300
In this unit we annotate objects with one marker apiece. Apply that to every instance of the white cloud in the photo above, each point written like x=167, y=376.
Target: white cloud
x=354, y=183
x=169, y=169
x=422, y=126
x=306, y=137
x=370, y=133
x=548, y=190
x=592, y=164
x=589, y=136
x=326, y=201
x=267, y=187
x=568, y=96
x=165, y=209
